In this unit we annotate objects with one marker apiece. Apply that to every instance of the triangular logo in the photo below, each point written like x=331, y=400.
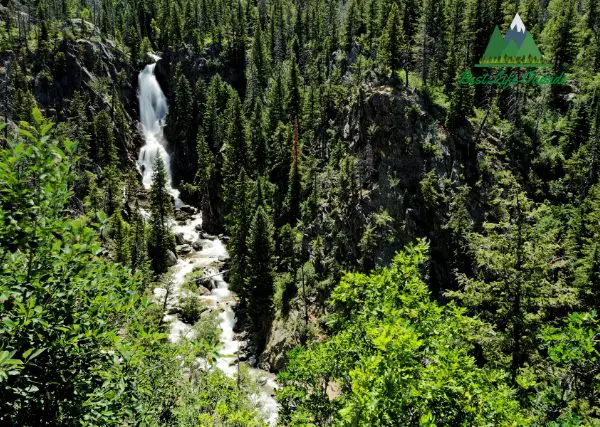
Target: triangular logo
x=516, y=49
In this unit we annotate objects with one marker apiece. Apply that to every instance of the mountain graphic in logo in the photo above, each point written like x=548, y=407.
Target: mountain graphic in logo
x=516, y=49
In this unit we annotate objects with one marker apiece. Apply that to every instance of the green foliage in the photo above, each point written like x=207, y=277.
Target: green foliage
x=395, y=357
x=510, y=289
x=345, y=165
x=235, y=150
x=240, y=227
x=62, y=303
x=103, y=150
x=559, y=33
x=394, y=49
x=565, y=391
x=190, y=308
x=259, y=279
x=79, y=343
x=160, y=239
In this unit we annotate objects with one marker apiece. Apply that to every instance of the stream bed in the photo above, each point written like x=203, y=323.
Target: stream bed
x=210, y=257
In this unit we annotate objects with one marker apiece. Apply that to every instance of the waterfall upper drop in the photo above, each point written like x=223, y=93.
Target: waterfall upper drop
x=153, y=113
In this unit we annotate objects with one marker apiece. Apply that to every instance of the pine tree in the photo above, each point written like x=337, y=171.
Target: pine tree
x=138, y=246
x=216, y=122
x=425, y=39
x=238, y=40
x=258, y=76
x=160, y=240
x=393, y=48
x=511, y=288
x=119, y=233
x=106, y=25
x=261, y=198
x=559, y=34
x=455, y=12
x=200, y=95
x=113, y=195
x=592, y=37
x=21, y=100
x=410, y=20
x=294, y=97
x=104, y=140
x=205, y=166
x=293, y=197
x=235, y=150
x=278, y=31
x=352, y=24
x=287, y=258
x=182, y=104
x=431, y=47
x=79, y=123
x=174, y=25
x=372, y=22
x=592, y=291
x=239, y=221
x=258, y=140
x=259, y=282
x=212, y=119
x=461, y=106
x=182, y=129
x=275, y=102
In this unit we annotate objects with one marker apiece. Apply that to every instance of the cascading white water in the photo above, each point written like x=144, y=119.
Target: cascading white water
x=153, y=113
x=221, y=299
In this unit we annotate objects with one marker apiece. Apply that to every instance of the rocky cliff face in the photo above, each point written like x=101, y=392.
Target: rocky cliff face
x=400, y=135
x=93, y=66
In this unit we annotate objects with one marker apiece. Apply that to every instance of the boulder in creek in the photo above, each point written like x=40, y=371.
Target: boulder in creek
x=171, y=259
x=188, y=209
x=182, y=216
x=181, y=240
x=197, y=245
x=225, y=274
x=203, y=291
x=184, y=249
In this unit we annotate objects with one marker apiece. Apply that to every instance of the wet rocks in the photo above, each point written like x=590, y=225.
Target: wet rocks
x=203, y=291
x=179, y=239
x=171, y=259
x=184, y=249
x=197, y=245
x=225, y=274
x=188, y=209
x=182, y=216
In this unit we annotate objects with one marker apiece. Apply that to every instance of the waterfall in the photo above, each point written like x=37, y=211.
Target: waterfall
x=153, y=113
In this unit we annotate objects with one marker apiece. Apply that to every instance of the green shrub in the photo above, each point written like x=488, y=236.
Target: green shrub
x=190, y=308
x=193, y=280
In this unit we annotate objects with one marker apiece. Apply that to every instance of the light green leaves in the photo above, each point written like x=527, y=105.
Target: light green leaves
x=8, y=365
x=401, y=359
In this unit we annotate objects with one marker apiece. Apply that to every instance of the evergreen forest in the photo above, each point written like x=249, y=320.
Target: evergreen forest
x=296, y=213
